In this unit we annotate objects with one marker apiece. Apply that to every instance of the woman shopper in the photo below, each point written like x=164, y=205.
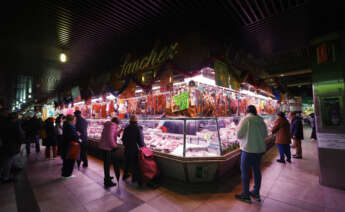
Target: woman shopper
x=296, y=132
x=282, y=130
x=108, y=145
x=52, y=138
x=59, y=129
x=251, y=132
x=69, y=135
x=132, y=140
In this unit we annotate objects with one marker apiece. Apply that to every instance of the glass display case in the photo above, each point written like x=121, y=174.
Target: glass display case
x=185, y=137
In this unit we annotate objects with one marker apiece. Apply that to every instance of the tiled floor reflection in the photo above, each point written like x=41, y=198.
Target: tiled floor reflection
x=285, y=187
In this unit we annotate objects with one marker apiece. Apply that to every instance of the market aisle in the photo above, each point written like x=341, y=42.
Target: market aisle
x=285, y=187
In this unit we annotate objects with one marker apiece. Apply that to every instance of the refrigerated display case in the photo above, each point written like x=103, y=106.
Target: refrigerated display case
x=189, y=149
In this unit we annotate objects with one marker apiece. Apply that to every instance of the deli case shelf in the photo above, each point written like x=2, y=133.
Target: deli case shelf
x=188, y=149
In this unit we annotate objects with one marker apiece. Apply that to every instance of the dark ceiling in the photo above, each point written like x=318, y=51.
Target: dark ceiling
x=96, y=34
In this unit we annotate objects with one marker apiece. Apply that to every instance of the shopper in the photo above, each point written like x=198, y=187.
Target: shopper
x=51, y=139
x=12, y=138
x=313, y=126
x=251, y=132
x=296, y=132
x=282, y=130
x=132, y=140
x=35, y=126
x=59, y=130
x=108, y=145
x=69, y=135
x=81, y=126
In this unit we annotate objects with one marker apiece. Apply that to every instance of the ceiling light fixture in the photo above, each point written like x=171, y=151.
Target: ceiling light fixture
x=63, y=57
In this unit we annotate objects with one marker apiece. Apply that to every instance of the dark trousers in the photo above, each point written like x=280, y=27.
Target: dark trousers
x=284, y=150
x=251, y=161
x=33, y=139
x=83, y=153
x=298, y=143
x=108, y=159
x=59, y=144
x=5, y=167
x=132, y=164
x=67, y=167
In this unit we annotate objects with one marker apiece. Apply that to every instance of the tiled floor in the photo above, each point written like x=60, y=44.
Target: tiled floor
x=285, y=187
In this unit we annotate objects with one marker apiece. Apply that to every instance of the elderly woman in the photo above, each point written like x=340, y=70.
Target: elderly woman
x=69, y=135
x=132, y=140
x=108, y=145
x=282, y=130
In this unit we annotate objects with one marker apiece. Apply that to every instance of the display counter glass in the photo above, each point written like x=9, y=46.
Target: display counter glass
x=184, y=137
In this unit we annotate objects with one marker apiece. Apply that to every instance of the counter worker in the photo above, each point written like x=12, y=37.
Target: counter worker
x=251, y=132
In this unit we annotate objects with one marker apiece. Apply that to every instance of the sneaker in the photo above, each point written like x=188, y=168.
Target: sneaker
x=69, y=177
x=280, y=161
x=243, y=198
x=109, y=184
x=255, y=196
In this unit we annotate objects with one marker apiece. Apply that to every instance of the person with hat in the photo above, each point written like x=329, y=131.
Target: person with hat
x=81, y=127
x=281, y=129
x=132, y=139
x=51, y=139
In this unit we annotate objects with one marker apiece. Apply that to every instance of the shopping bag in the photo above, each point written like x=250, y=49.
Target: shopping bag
x=147, y=164
x=19, y=160
x=73, y=151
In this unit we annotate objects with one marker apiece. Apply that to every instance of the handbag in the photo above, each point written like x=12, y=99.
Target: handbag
x=73, y=151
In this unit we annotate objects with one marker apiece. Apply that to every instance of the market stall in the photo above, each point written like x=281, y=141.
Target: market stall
x=191, y=128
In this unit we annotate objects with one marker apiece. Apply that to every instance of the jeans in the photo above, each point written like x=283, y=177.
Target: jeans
x=108, y=160
x=33, y=139
x=284, y=149
x=6, y=166
x=251, y=161
x=83, y=153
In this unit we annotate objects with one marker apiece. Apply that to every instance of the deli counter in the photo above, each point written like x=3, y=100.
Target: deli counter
x=187, y=149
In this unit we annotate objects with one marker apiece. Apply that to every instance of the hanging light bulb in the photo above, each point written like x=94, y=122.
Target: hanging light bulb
x=63, y=57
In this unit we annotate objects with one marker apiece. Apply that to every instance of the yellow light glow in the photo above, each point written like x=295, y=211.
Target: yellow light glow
x=63, y=58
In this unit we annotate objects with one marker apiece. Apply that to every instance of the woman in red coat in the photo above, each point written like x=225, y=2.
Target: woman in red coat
x=282, y=130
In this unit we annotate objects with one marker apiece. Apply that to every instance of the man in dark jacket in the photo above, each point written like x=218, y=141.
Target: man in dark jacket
x=34, y=127
x=81, y=126
x=13, y=137
x=296, y=131
x=132, y=139
x=69, y=135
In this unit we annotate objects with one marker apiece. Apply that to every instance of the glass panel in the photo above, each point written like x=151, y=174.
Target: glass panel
x=227, y=130
x=95, y=128
x=164, y=135
x=202, y=138
x=269, y=120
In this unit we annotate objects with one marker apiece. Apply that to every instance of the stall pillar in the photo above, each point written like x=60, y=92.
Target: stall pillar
x=328, y=90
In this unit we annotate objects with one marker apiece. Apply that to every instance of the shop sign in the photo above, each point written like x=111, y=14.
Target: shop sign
x=155, y=57
x=181, y=101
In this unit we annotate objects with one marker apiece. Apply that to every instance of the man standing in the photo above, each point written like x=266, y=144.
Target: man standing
x=81, y=127
x=296, y=131
x=34, y=128
x=251, y=132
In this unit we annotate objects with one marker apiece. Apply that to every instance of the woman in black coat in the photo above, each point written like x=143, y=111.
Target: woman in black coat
x=69, y=135
x=51, y=140
x=132, y=139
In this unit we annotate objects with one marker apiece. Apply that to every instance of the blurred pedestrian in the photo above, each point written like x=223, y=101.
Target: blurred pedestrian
x=251, y=132
x=282, y=130
x=51, y=140
x=69, y=135
x=313, y=126
x=108, y=145
x=132, y=139
x=59, y=129
x=12, y=139
x=296, y=132
x=81, y=127
x=35, y=125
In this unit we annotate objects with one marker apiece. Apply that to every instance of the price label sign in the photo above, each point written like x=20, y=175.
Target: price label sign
x=181, y=101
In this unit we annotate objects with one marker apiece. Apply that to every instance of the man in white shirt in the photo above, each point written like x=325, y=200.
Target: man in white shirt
x=251, y=132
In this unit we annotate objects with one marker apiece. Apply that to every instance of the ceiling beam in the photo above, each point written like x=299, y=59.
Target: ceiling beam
x=299, y=84
x=292, y=73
